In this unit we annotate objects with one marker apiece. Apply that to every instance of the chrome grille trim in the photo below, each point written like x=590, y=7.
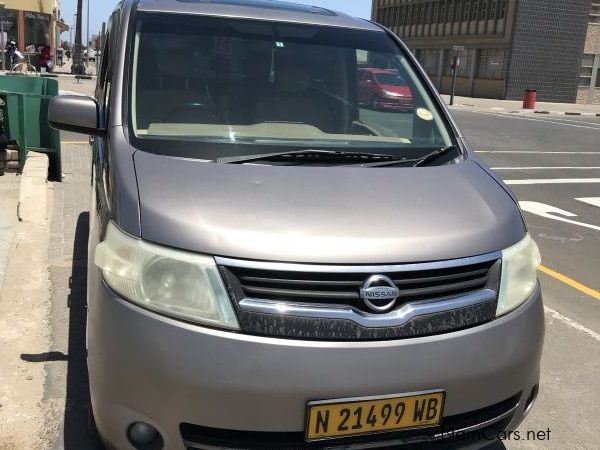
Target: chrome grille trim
x=395, y=318
x=382, y=268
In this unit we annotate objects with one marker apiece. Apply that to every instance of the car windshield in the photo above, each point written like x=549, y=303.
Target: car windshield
x=390, y=79
x=210, y=88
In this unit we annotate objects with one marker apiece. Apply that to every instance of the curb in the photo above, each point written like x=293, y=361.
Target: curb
x=466, y=107
x=32, y=206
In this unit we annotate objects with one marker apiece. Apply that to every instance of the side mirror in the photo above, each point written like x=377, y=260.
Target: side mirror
x=74, y=113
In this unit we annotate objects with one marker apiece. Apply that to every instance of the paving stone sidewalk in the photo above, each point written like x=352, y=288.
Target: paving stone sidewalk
x=513, y=106
x=67, y=377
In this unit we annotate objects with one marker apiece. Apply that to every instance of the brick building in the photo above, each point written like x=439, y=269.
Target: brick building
x=552, y=46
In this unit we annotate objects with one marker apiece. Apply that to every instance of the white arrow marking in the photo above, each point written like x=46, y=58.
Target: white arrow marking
x=594, y=201
x=547, y=211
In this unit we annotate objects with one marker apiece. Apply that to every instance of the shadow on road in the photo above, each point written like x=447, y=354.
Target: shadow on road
x=76, y=419
x=76, y=425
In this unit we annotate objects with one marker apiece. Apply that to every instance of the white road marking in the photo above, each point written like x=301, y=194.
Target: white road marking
x=554, y=181
x=594, y=201
x=535, y=152
x=546, y=168
x=566, y=123
x=547, y=211
x=572, y=323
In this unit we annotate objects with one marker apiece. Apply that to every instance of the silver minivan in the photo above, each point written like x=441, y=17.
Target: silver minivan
x=291, y=244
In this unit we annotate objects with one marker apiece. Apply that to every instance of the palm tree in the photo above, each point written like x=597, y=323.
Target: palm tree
x=78, y=68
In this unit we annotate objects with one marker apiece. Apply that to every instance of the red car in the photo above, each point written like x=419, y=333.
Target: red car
x=384, y=90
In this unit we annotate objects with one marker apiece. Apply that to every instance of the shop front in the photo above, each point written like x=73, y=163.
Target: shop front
x=33, y=26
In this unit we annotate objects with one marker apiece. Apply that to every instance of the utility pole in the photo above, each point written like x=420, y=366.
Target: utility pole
x=4, y=41
x=455, y=64
x=87, y=30
x=78, y=68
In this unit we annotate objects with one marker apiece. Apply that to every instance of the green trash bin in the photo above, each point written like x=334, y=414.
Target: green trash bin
x=26, y=118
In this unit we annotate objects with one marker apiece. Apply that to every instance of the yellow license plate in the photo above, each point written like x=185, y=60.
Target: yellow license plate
x=351, y=417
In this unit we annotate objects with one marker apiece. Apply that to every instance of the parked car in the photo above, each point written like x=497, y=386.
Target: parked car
x=90, y=54
x=384, y=89
x=271, y=267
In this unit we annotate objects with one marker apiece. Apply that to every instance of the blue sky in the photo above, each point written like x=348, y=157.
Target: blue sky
x=101, y=9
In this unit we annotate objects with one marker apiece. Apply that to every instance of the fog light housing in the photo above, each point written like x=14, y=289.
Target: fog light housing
x=144, y=436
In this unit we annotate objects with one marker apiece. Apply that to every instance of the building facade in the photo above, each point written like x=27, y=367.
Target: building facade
x=507, y=46
x=33, y=22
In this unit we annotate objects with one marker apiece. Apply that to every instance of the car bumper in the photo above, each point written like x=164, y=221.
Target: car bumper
x=394, y=105
x=145, y=367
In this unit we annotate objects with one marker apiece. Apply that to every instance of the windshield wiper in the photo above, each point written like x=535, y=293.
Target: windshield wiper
x=416, y=162
x=302, y=155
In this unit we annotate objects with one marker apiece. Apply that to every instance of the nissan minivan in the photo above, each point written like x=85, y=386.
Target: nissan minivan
x=274, y=264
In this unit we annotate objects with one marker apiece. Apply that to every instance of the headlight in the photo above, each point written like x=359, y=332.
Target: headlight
x=175, y=283
x=519, y=275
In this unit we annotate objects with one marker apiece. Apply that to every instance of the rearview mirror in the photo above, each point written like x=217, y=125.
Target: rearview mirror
x=74, y=113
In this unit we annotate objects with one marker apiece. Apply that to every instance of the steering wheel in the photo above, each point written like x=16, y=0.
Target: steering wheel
x=211, y=115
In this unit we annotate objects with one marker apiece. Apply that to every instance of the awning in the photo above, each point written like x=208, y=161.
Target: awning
x=62, y=27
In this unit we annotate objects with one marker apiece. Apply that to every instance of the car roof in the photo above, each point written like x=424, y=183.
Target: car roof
x=272, y=10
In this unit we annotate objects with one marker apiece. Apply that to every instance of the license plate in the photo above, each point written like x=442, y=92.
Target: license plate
x=357, y=416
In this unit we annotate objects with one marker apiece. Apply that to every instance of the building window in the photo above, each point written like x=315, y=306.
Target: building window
x=493, y=5
x=467, y=10
x=475, y=10
x=502, y=13
x=442, y=15
x=491, y=64
x=434, y=18
x=10, y=17
x=588, y=60
x=37, y=29
x=429, y=60
x=584, y=81
x=460, y=5
x=484, y=10
x=595, y=12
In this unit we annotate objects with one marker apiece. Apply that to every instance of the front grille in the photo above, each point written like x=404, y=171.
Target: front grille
x=343, y=288
x=274, y=299
x=454, y=432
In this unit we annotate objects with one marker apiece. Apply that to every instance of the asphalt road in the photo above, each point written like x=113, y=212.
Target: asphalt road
x=552, y=163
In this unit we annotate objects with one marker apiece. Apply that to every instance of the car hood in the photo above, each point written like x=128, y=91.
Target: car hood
x=402, y=90
x=337, y=215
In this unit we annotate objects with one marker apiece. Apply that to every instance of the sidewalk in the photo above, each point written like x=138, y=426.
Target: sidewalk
x=515, y=106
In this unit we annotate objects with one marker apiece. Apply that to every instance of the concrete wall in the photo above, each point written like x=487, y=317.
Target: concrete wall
x=549, y=37
x=591, y=38
x=488, y=88
x=583, y=95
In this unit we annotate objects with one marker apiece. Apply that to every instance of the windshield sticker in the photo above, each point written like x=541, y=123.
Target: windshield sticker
x=425, y=114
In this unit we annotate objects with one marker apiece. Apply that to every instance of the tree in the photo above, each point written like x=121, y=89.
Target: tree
x=78, y=68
